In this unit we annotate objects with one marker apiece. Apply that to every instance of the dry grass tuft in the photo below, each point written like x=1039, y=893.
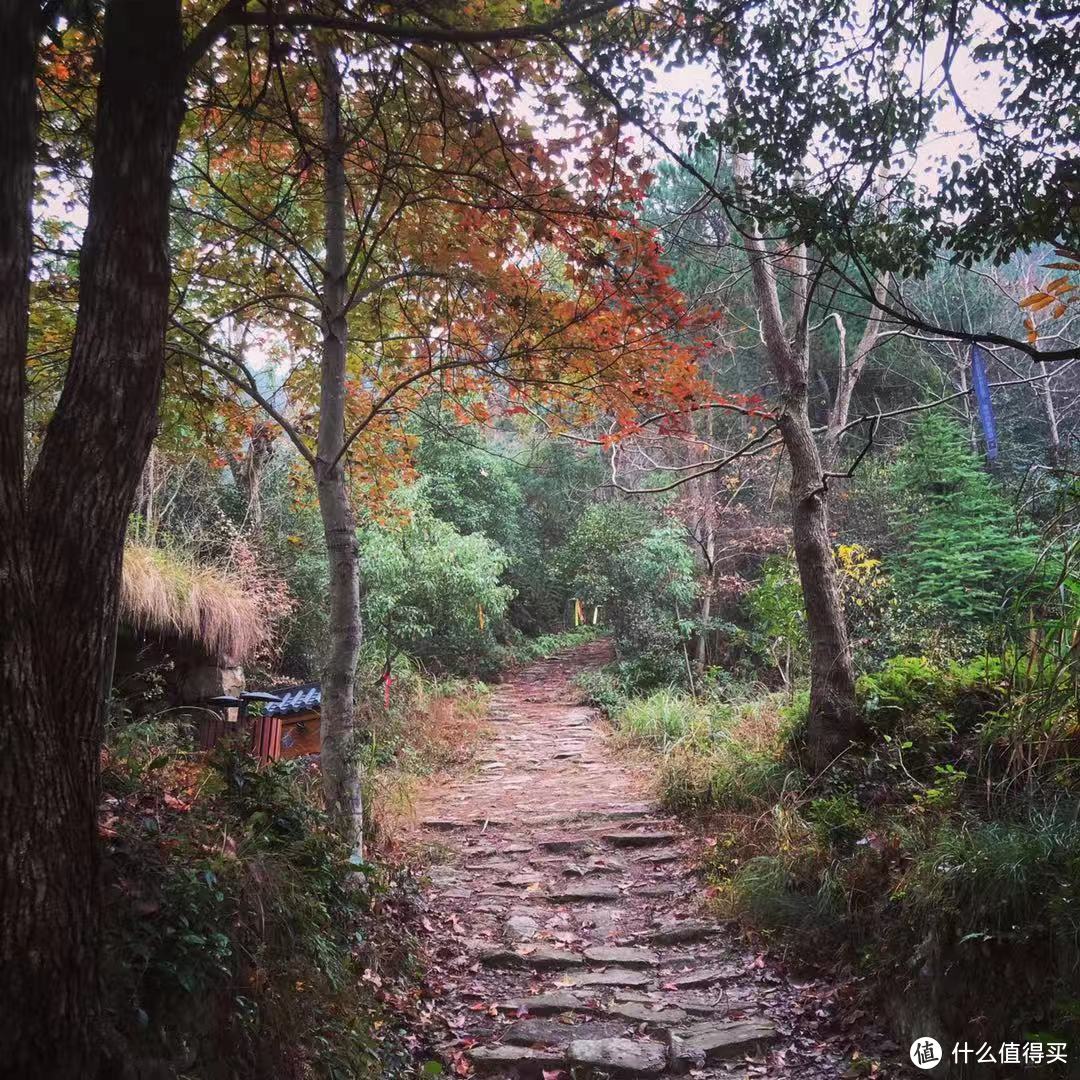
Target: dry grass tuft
x=165, y=594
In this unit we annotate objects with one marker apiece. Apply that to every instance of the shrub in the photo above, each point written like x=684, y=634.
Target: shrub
x=779, y=618
x=1013, y=881
x=963, y=551
x=603, y=690
x=432, y=593
x=766, y=892
x=238, y=928
x=902, y=687
x=639, y=572
x=727, y=775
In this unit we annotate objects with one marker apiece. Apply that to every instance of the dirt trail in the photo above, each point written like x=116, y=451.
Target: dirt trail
x=565, y=932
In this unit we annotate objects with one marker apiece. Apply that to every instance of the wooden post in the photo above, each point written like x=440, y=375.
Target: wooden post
x=266, y=738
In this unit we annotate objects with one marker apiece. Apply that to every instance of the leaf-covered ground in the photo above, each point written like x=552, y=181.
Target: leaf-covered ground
x=566, y=927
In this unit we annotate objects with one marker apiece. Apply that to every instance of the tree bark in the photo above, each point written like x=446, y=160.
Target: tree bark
x=340, y=757
x=848, y=374
x=63, y=590
x=1053, y=436
x=834, y=721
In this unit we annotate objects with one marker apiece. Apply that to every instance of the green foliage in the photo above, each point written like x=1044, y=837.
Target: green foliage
x=238, y=928
x=963, y=552
x=433, y=594
x=664, y=719
x=603, y=690
x=779, y=617
x=639, y=572
x=523, y=495
x=907, y=690
x=766, y=892
x=539, y=648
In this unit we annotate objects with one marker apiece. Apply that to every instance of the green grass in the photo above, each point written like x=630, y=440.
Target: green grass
x=666, y=719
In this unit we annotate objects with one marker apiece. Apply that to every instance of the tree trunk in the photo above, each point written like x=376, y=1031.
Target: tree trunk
x=76, y=509
x=834, y=717
x=848, y=374
x=1053, y=436
x=340, y=752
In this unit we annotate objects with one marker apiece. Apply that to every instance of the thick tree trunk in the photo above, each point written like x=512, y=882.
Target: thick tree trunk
x=76, y=509
x=834, y=718
x=340, y=757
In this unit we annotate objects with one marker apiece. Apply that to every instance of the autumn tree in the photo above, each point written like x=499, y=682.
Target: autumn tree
x=396, y=231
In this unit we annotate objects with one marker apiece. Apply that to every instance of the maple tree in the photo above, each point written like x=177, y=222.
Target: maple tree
x=386, y=234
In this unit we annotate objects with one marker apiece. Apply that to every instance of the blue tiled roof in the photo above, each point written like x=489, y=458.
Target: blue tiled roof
x=294, y=699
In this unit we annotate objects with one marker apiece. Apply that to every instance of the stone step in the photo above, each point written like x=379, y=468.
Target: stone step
x=576, y=843
x=555, y=1033
x=655, y=1019
x=677, y=932
x=658, y=858
x=630, y=956
x=639, y=839
x=581, y=894
x=536, y=956
x=706, y=976
x=696, y=1046
x=609, y=977
x=625, y=1057
x=523, y=1059
x=550, y=1004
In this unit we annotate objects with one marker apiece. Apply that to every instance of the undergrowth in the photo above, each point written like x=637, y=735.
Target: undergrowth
x=945, y=849
x=242, y=939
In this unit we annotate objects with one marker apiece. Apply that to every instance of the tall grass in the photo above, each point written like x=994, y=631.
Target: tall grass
x=664, y=720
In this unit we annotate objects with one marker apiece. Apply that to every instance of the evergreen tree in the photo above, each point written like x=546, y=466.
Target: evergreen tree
x=964, y=552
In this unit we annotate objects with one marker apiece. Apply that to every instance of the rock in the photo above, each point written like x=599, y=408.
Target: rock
x=660, y=890
x=494, y=867
x=573, y=894
x=549, y=956
x=519, y=880
x=688, y=1001
x=715, y=1040
x=516, y=849
x=520, y=928
x=629, y=1057
x=540, y=956
x=522, y=1058
x=558, y=1001
x=595, y=865
x=639, y=839
x=443, y=875
x=444, y=825
x=572, y=844
x=701, y=977
x=673, y=933
x=556, y=1033
x=629, y=956
x=639, y=1013
x=610, y=977
x=657, y=858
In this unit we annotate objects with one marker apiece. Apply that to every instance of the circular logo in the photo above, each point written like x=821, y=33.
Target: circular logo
x=925, y=1052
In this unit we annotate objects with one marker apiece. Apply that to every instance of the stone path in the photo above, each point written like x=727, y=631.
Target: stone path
x=565, y=934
